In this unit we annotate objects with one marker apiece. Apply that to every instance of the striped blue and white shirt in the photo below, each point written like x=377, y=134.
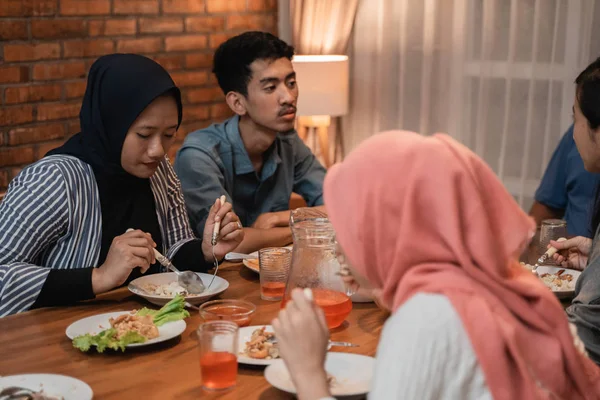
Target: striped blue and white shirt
x=50, y=218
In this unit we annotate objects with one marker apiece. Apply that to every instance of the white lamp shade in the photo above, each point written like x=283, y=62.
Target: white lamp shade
x=323, y=85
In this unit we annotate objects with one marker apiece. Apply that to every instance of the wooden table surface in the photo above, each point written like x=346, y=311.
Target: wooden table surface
x=35, y=342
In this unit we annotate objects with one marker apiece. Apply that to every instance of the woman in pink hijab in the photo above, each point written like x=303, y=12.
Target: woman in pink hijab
x=426, y=222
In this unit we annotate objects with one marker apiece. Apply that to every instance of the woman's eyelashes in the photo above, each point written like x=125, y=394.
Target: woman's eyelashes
x=166, y=135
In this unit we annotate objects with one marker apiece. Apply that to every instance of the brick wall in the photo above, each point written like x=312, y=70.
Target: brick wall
x=47, y=47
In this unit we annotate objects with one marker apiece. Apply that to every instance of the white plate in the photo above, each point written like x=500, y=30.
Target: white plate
x=352, y=372
x=53, y=385
x=244, y=335
x=561, y=294
x=218, y=286
x=252, y=265
x=98, y=323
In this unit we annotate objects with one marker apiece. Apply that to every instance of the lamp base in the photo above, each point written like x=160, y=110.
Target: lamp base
x=320, y=125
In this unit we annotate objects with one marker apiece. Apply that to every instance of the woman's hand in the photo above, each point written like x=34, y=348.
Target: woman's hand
x=302, y=335
x=375, y=294
x=573, y=253
x=231, y=232
x=128, y=251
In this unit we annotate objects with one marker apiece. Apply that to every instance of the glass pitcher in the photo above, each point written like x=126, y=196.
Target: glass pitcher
x=315, y=265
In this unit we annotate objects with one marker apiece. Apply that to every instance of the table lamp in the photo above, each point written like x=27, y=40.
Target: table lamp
x=323, y=85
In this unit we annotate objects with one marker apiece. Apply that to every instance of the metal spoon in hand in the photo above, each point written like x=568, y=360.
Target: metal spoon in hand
x=188, y=280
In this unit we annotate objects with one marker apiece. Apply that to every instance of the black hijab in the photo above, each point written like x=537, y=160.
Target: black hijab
x=119, y=88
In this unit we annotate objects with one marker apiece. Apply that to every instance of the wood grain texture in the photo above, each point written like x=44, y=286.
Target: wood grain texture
x=35, y=342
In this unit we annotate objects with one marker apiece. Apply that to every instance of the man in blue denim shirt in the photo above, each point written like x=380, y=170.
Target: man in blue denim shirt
x=567, y=189
x=256, y=158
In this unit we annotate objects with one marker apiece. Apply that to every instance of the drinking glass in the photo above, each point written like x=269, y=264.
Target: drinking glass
x=217, y=341
x=274, y=269
x=551, y=229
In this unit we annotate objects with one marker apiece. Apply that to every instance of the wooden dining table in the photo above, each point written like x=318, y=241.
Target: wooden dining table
x=35, y=342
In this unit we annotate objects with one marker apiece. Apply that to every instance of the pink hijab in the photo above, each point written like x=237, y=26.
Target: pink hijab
x=425, y=214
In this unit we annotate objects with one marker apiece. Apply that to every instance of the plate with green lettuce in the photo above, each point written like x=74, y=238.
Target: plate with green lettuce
x=98, y=332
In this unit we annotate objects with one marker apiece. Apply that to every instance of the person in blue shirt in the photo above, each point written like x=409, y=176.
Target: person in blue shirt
x=567, y=190
x=255, y=158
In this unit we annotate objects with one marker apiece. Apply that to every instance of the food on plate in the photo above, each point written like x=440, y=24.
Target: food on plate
x=166, y=289
x=261, y=345
x=135, y=327
x=19, y=393
x=558, y=281
x=134, y=323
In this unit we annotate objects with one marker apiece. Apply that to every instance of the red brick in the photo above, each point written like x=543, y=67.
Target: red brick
x=27, y=8
x=28, y=94
x=112, y=27
x=43, y=148
x=171, y=62
x=88, y=48
x=251, y=22
x=199, y=60
x=218, y=111
x=16, y=156
x=14, y=171
x=186, y=128
x=47, y=112
x=75, y=89
x=212, y=80
x=217, y=38
x=183, y=43
x=57, y=71
x=14, y=74
x=85, y=7
x=73, y=127
x=58, y=28
x=161, y=25
x=16, y=115
x=262, y=5
x=195, y=113
x=35, y=134
x=13, y=30
x=204, y=95
x=4, y=180
x=129, y=7
x=221, y=6
x=145, y=45
x=204, y=24
x=196, y=78
x=31, y=52
x=183, y=6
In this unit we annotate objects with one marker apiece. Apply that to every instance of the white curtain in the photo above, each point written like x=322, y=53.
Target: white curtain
x=495, y=74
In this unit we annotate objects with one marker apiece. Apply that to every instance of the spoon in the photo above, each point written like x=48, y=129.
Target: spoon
x=330, y=344
x=186, y=279
x=240, y=256
x=547, y=255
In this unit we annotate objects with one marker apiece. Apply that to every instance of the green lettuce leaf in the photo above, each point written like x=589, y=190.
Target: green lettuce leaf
x=174, y=310
x=107, y=340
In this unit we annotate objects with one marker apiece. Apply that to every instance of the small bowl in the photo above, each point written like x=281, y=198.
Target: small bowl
x=238, y=311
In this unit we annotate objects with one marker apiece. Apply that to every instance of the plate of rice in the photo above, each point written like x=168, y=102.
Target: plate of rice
x=159, y=289
x=560, y=280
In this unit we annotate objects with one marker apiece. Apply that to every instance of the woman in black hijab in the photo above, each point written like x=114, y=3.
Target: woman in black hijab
x=67, y=215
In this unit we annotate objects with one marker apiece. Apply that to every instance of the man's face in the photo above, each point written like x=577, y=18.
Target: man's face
x=582, y=134
x=272, y=94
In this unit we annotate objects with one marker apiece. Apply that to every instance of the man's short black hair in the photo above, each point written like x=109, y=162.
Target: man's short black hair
x=231, y=64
